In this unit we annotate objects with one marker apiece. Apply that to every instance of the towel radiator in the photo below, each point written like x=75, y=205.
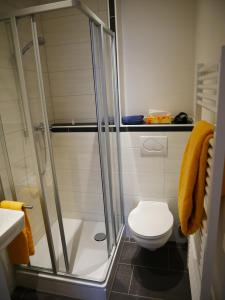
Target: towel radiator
x=210, y=106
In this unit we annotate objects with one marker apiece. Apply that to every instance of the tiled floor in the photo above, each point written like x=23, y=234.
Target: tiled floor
x=161, y=274
x=21, y=293
x=140, y=275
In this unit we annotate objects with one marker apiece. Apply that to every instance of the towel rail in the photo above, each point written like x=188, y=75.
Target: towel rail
x=27, y=206
x=204, y=226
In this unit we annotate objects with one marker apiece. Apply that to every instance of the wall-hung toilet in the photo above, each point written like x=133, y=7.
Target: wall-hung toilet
x=151, y=224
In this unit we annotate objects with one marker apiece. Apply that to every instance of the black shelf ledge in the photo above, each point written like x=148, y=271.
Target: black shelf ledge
x=92, y=127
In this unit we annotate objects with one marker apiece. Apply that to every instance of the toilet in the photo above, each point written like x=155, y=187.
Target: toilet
x=151, y=224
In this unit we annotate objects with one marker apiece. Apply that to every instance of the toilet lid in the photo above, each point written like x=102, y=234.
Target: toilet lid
x=151, y=219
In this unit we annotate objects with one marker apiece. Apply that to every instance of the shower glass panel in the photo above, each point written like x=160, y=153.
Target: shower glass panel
x=103, y=129
x=70, y=126
x=76, y=153
x=113, y=113
x=15, y=134
x=40, y=259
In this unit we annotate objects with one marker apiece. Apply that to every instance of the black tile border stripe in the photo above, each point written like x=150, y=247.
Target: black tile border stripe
x=147, y=128
x=157, y=128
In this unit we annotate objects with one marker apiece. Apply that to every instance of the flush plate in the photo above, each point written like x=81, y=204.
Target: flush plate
x=153, y=145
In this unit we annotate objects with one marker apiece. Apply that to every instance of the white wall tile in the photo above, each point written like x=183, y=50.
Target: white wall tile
x=69, y=83
x=32, y=84
x=69, y=56
x=68, y=158
x=102, y=5
x=79, y=108
x=80, y=180
x=86, y=142
x=143, y=184
x=11, y=116
x=171, y=185
x=132, y=161
x=151, y=178
x=8, y=90
x=81, y=204
x=6, y=57
x=72, y=29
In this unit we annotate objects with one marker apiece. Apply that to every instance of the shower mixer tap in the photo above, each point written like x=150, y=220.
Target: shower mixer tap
x=39, y=127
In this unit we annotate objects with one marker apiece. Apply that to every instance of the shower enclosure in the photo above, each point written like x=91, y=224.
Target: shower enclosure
x=63, y=147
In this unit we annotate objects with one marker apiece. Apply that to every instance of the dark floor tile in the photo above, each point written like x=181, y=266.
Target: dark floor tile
x=163, y=284
x=119, y=296
x=21, y=293
x=178, y=258
x=132, y=240
x=122, y=278
x=134, y=254
x=175, y=244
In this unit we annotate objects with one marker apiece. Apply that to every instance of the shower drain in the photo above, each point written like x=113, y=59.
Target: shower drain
x=99, y=237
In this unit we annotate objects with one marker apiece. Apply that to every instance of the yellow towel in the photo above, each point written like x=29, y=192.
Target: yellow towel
x=22, y=246
x=192, y=178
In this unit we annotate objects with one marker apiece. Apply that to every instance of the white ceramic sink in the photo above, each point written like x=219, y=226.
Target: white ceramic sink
x=11, y=224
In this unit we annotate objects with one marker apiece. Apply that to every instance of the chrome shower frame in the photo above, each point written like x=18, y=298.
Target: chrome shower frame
x=106, y=168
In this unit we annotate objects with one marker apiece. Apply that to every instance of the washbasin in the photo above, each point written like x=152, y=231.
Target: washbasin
x=11, y=224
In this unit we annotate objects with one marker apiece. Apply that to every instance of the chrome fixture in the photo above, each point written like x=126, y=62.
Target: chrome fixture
x=100, y=237
x=41, y=41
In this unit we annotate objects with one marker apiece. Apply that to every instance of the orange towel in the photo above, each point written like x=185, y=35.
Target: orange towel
x=192, y=178
x=22, y=246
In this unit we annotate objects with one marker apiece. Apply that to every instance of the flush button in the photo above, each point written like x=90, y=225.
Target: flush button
x=153, y=145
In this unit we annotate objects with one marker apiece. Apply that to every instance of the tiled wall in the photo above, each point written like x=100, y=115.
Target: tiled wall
x=23, y=164
x=146, y=177
x=68, y=52
x=67, y=74
x=17, y=145
x=79, y=176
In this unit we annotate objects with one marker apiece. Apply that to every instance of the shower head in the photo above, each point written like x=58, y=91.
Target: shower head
x=41, y=41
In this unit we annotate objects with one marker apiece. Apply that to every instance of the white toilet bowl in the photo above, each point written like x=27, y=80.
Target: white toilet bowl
x=151, y=224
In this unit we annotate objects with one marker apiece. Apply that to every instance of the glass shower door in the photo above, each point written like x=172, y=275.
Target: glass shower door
x=112, y=102
x=27, y=39
x=103, y=130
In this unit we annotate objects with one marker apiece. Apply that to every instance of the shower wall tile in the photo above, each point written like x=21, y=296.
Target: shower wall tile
x=32, y=84
x=8, y=88
x=69, y=57
x=18, y=146
x=72, y=82
x=68, y=158
x=80, y=180
x=78, y=172
x=66, y=30
x=11, y=116
x=5, y=51
x=36, y=112
x=104, y=16
x=29, y=59
x=102, y=5
x=85, y=206
x=69, y=60
x=79, y=108
x=153, y=178
x=80, y=141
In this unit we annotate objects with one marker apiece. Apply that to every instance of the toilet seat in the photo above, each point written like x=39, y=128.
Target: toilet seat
x=151, y=219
